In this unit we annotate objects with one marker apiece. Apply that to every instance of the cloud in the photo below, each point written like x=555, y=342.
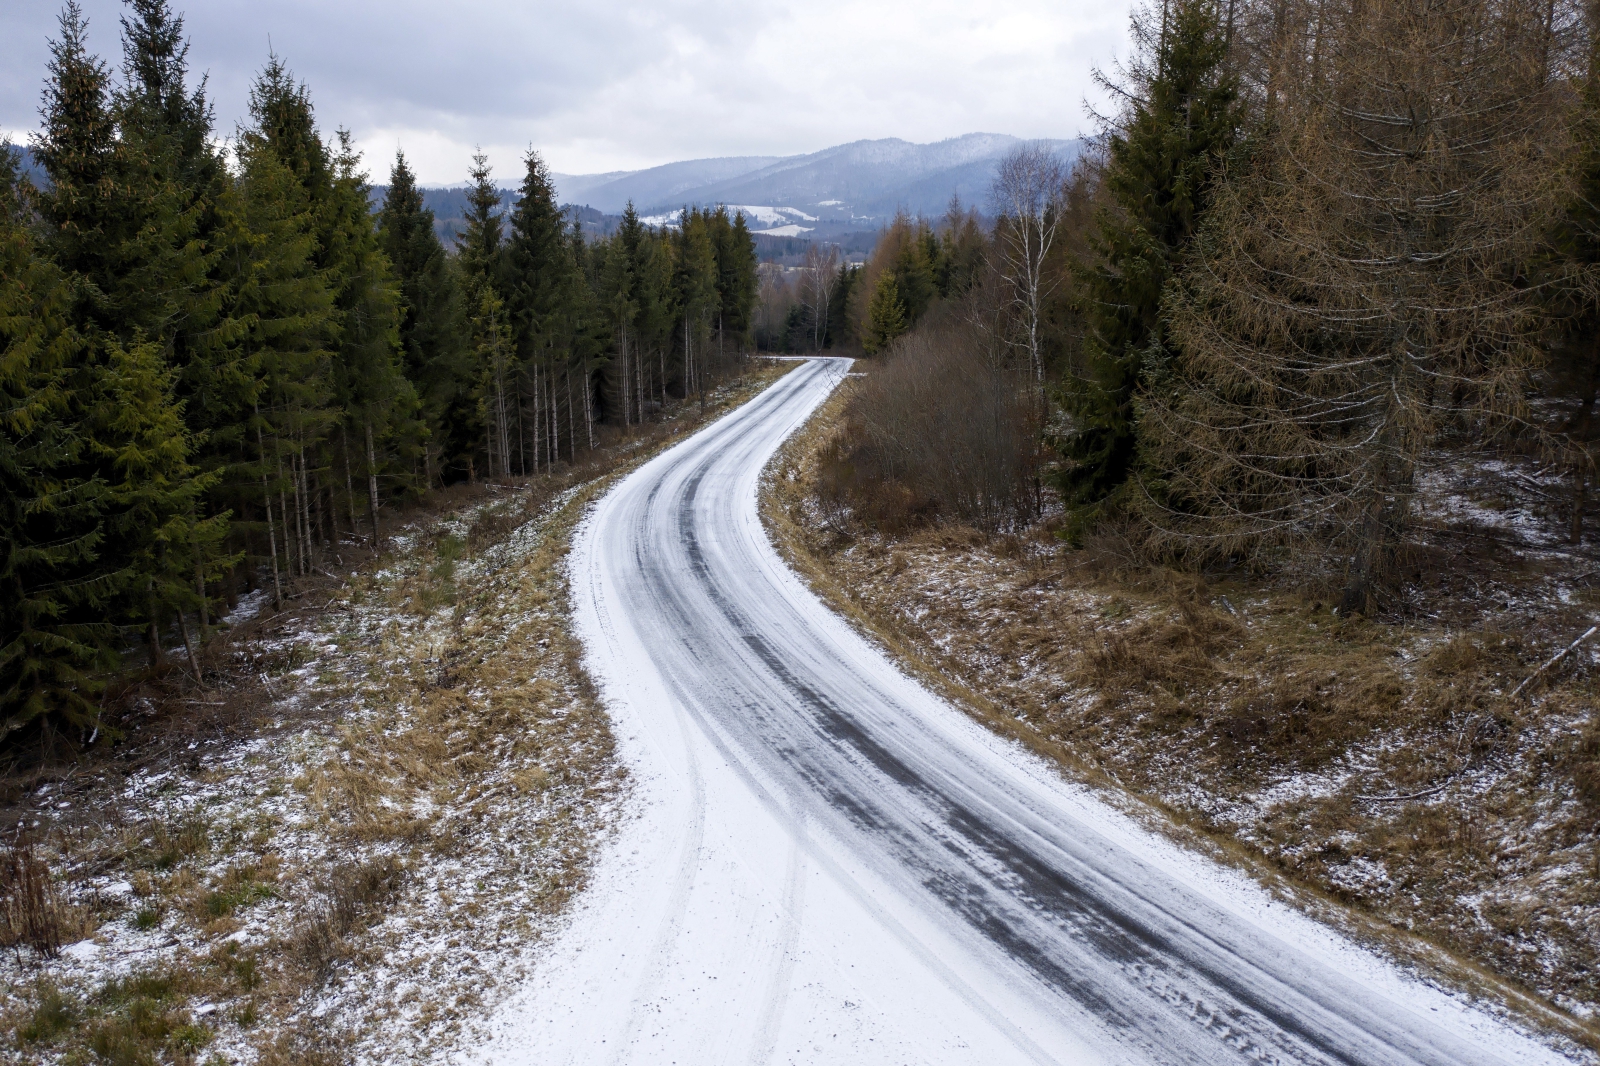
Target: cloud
x=622, y=84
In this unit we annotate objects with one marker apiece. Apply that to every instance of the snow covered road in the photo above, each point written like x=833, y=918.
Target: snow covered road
x=827, y=864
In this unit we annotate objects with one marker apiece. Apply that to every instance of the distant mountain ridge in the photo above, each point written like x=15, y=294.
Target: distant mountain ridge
x=849, y=186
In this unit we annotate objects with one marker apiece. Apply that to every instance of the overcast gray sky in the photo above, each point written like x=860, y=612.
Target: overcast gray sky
x=619, y=84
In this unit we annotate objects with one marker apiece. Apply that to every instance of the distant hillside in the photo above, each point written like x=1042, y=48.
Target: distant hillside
x=449, y=207
x=654, y=187
x=851, y=186
x=28, y=166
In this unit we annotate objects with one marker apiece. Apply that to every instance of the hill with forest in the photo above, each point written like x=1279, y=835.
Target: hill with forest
x=860, y=185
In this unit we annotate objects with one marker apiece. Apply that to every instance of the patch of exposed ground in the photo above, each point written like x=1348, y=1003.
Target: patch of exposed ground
x=1377, y=771
x=348, y=843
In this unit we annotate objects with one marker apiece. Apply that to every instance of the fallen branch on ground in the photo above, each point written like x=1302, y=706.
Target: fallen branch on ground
x=1557, y=657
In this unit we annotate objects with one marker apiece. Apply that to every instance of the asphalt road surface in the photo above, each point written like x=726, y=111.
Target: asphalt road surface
x=824, y=863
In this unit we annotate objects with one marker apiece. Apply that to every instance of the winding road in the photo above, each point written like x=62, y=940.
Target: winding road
x=825, y=863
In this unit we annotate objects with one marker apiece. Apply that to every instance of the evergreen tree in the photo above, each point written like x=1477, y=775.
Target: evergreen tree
x=172, y=285
x=886, y=315
x=299, y=384
x=618, y=292
x=493, y=344
x=156, y=99
x=540, y=272
x=288, y=312
x=1184, y=113
x=480, y=254
x=657, y=306
x=481, y=247
x=963, y=250
x=736, y=275
x=430, y=318
x=53, y=633
x=839, y=304
x=153, y=493
x=695, y=278
x=77, y=148
x=125, y=229
x=378, y=404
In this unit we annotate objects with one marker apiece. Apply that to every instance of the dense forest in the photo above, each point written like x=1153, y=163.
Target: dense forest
x=220, y=364
x=1315, y=251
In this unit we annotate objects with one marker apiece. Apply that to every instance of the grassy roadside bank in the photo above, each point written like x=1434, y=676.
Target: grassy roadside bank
x=1377, y=775
x=394, y=798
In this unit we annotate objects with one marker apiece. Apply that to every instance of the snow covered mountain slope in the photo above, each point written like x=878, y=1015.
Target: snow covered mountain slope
x=662, y=187
x=830, y=865
x=863, y=182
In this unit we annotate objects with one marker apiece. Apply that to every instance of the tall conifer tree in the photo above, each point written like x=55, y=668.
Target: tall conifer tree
x=431, y=326
x=53, y=633
x=1184, y=113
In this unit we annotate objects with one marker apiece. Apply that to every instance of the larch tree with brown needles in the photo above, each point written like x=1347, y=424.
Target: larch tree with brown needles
x=1361, y=287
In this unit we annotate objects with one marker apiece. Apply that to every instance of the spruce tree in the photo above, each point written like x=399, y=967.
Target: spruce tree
x=156, y=98
x=287, y=308
x=77, y=148
x=617, y=286
x=494, y=347
x=380, y=419
x=839, y=304
x=539, y=272
x=54, y=638
x=298, y=403
x=124, y=229
x=481, y=247
x=174, y=285
x=695, y=279
x=431, y=326
x=480, y=253
x=154, y=536
x=736, y=275
x=171, y=284
x=1184, y=114
x=886, y=315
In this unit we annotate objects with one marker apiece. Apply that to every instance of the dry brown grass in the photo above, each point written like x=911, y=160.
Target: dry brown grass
x=1374, y=771
x=30, y=907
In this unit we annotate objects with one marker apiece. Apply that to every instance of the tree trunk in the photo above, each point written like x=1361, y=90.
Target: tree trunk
x=541, y=454
x=272, y=536
x=152, y=634
x=554, y=419
x=522, y=432
x=588, y=407
x=291, y=530
x=349, y=482
x=1579, y=498
x=200, y=583
x=372, y=484
x=190, y=649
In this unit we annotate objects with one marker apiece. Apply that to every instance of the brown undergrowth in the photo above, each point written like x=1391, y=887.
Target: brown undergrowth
x=1376, y=771
x=390, y=792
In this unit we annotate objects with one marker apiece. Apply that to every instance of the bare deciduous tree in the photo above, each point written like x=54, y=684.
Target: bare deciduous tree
x=821, y=269
x=1026, y=195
